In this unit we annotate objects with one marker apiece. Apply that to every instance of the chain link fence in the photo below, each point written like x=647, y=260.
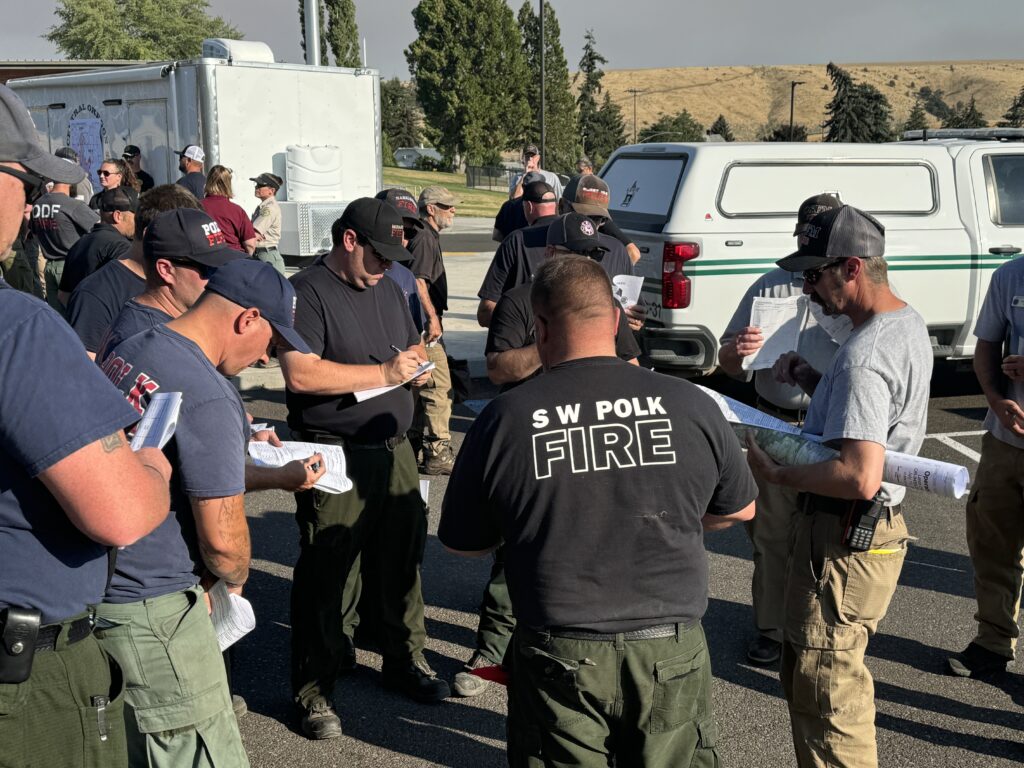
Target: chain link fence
x=495, y=178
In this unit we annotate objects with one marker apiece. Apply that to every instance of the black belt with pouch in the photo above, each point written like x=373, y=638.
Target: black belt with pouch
x=860, y=517
x=22, y=637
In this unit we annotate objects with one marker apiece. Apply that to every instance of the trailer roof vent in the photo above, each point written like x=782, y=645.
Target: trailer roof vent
x=237, y=50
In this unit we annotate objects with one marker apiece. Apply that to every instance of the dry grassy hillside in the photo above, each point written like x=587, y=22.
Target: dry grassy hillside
x=751, y=97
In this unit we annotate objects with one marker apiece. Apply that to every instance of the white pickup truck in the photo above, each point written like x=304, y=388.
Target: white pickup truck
x=709, y=218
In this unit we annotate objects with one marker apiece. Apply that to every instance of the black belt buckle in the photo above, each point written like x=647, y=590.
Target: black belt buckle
x=18, y=643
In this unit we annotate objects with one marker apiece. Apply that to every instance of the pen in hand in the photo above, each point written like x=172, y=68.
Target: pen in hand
x=396, y=349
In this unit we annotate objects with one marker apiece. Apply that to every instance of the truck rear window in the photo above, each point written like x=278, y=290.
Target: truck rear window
x=777, y=189
x=1005, y=177
x=643, y=189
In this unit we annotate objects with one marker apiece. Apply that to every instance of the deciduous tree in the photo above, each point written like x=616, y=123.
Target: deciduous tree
x=678, y=127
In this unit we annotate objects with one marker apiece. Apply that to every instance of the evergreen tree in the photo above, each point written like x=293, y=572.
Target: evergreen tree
x=322, y=20
x=933, y=102
x=916, y=120
x=607, y=131
x=135, y=29
x=562, y=143
x=781, y=133
x=399, y=115
x=679, y=127
x=721, y=127
x=857, y=112
x=1014, y=117
x=471, y=76
x=586, y=103
x=965, y=116
x=343, y=33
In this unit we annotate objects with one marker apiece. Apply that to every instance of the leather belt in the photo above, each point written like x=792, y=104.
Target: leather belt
x=265, y=248
x=79, y=629
x=647, y=633
x=812, y=502
x=390, y=443
x=788, y=414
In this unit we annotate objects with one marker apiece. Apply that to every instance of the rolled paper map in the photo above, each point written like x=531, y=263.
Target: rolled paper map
x=914, y=472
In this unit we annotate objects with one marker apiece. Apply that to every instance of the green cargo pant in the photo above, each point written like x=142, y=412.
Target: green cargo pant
x=52, y=272
x=834, y=601
x=995, y=539
x=49, y=719
x=177, y=706
x=496, y=619
x=381, y=521
x=434, y=401
x=770, y=532
x=272, y=257
x=589, y=702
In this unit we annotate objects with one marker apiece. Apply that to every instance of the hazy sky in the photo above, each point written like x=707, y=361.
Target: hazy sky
x=651, y=33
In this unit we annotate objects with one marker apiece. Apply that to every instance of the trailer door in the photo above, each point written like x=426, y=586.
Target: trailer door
x=41, y=118
x=148, y=129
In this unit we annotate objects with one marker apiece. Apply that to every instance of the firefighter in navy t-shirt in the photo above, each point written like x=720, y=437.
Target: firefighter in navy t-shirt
x=600, y=478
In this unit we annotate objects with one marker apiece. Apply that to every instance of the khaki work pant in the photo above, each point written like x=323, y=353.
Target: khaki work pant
x=434, y=401
x=770, y=532
x=587, y=703
x=177, y=705
x=995, y=539
x=834, y=601
x=53, y=719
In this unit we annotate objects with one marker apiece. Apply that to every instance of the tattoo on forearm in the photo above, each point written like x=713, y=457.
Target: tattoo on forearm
x=231, y=560
x=111, y=443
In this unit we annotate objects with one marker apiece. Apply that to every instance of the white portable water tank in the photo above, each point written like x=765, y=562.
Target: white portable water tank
x=313, y=173
x=237, y=50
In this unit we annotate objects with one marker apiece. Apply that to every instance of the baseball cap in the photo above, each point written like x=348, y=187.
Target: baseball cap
x=575, y=232
x=434, y=195
x=19, y=143
x=811, y=207
x=535, y=192
x=253, y=283
x=267, y=180
x=531, y=149
x=584, y=160
x=67, y=153
x=193, y=152
x=403, y=200
x=378, y=222
x=588, y=194
x=837, y=233
x=131, y=152
x=119, y=199
x=531, y=176
x=187, y=235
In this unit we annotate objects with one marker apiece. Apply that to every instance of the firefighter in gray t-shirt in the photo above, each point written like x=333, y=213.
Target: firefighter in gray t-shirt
x=776, y=505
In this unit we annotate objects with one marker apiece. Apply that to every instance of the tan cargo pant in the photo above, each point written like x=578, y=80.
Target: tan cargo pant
x=770, y=532
x=834, y=601
x=434, y=401
x=995, y=539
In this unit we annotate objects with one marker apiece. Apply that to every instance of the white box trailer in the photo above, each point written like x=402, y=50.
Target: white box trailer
x=318, y=128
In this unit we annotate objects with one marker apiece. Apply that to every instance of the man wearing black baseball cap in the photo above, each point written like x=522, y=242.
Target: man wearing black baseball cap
x=72, y=490
x=362, y=337
x=181, y=705
x=873, y=397
x=531, y=162
x=776, y=505
x=109, y=239
x=512, y=358
x=178, y=259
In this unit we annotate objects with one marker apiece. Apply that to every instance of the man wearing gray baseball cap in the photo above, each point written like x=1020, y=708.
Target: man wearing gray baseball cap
x=72, y=489
x=848, y=547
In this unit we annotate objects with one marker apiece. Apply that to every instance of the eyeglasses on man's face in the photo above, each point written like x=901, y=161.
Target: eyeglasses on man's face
x=812, y=276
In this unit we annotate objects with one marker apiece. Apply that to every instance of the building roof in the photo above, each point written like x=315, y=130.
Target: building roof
x=12, y=69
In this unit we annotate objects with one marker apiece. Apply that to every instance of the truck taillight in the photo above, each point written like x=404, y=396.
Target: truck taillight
x=675, y=285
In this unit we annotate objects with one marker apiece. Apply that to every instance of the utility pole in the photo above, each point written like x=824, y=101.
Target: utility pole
x=543, y=131
x=636, y=92
x=792, y=93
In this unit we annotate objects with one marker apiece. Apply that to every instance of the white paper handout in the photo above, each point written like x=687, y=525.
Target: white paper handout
x=158, y=422
x=334, y=480
x=626, y=289
x=780, y=321
x=232, y=615
x=736, y=412
x=366, y=394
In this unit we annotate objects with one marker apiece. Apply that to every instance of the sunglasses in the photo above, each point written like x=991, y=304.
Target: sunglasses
x=443, y=207
x=202, y=270
x=104, y=174
x=812, y=276
x=35, y=186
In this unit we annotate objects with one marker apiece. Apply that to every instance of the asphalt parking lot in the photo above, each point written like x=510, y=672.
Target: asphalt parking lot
x=924, y=717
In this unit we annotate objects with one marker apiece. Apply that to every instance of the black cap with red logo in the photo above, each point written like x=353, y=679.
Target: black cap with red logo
x=378, y=222
x=187, y=235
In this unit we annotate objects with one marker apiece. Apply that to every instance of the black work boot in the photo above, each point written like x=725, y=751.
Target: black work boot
x=438, y=458
x=319, y=720
x=416, y=680
x=975, y=661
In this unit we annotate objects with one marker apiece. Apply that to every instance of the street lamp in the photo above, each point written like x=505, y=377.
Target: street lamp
x=792, y=93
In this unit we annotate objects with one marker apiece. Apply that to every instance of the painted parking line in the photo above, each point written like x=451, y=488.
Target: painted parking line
x=932, y=565
x=958, y=447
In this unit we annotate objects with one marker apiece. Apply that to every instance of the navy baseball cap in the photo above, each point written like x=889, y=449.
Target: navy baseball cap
x=187, y=235
x=575, y=232
x=250, y=283
x=837, y=233
x=119, y=199
x=539, y=192
x=380, y=224
x=403, y=200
